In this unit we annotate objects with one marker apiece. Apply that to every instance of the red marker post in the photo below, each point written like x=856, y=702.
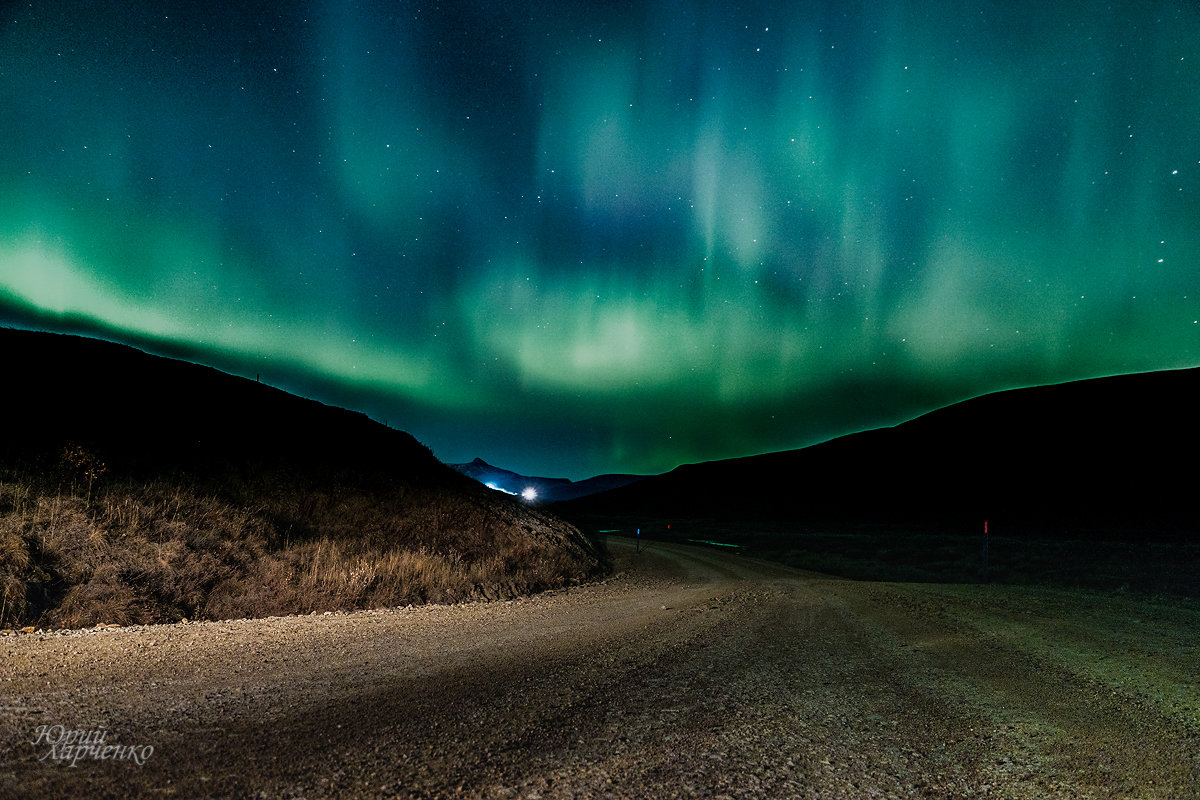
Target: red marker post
x=984, y=569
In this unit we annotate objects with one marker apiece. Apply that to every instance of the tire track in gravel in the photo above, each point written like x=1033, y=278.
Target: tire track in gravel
x=691, y=672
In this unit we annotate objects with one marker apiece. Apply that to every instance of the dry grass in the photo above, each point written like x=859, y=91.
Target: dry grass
x=144, y=552
x=141, y=489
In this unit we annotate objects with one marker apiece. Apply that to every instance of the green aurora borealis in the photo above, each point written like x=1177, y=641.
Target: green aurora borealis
x=586, y=237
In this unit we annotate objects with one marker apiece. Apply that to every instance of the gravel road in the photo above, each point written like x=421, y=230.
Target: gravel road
x=689, y=673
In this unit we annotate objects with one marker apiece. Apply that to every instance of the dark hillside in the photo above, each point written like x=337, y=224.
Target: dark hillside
x=136, y=488
x=149, y=413
x=1111, y=454
x=1092, y=482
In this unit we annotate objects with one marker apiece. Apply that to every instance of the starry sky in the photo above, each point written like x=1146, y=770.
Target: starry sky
x=585, y=237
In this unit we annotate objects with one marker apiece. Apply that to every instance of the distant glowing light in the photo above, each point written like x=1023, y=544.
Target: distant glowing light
x=529, y=494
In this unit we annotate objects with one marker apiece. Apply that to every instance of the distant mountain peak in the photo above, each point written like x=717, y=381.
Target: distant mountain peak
x=545, y=490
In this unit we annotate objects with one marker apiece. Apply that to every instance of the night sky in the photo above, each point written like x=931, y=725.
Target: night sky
x=574, y=238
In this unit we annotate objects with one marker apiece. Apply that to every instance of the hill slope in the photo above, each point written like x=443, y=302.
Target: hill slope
x=1115, y=455
x=138, y=489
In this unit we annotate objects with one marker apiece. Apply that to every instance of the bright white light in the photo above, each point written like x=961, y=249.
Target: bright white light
x=529, y=493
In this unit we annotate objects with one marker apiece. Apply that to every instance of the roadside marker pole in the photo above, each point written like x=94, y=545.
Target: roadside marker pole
x=985, y=551
x=637, y=548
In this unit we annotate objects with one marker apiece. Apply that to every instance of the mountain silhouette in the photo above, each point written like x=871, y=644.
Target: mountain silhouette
x=1113, y=456
x=544, y=490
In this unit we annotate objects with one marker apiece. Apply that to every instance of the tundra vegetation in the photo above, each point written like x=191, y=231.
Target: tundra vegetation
x=78, y=548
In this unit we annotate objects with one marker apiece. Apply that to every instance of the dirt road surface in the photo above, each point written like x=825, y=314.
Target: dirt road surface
x=689, y=673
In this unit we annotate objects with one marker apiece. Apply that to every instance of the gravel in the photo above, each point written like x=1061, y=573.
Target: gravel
x=688, y=673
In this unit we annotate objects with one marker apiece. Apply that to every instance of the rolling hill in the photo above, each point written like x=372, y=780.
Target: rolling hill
x=139, y=489
x=1088, y=484
x=1110, y=455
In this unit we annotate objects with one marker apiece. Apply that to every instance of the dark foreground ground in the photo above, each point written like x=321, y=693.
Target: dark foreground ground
x=691, y=672
x=1140, y=560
